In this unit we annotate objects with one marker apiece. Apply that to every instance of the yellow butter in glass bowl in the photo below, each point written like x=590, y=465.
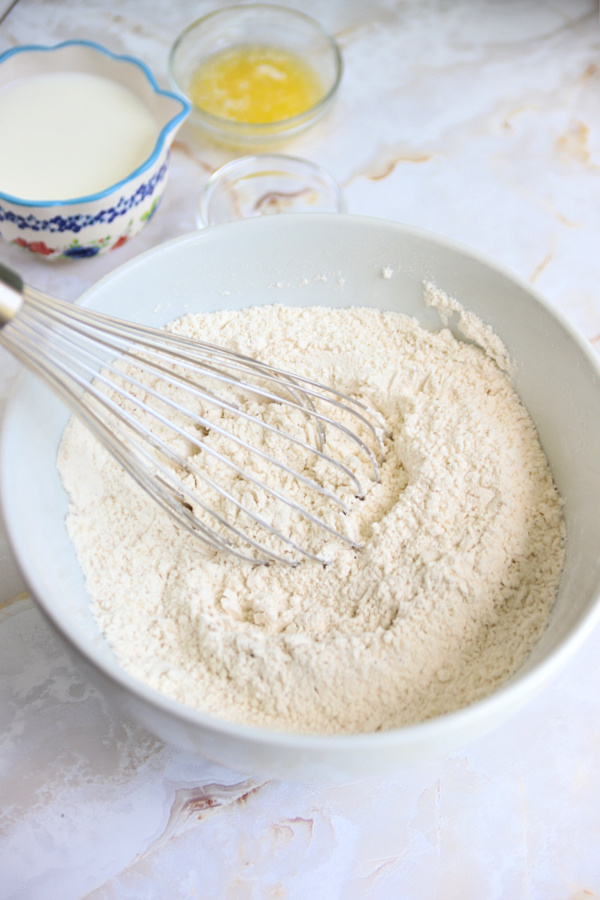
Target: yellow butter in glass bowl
x=255, y=74
x=255, y=83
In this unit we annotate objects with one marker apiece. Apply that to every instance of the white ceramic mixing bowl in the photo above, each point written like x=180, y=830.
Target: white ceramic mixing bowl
x=335, y=261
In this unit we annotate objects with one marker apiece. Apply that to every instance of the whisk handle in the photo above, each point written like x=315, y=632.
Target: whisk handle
x=11, y=294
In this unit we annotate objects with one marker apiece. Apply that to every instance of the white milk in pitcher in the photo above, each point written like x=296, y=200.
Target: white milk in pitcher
x=66, y=135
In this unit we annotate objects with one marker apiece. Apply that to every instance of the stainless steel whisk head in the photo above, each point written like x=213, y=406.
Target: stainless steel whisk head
x=238, y=452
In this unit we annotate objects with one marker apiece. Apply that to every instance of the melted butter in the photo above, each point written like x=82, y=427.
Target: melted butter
x=255, y=83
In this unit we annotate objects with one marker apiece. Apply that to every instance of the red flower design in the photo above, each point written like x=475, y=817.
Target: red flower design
x=35, y=247
x=122, y=240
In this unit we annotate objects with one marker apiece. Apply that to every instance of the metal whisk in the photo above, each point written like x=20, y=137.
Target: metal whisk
x=163, y=405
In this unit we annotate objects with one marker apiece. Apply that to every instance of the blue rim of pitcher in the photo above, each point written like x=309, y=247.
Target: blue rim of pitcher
x=173, y=123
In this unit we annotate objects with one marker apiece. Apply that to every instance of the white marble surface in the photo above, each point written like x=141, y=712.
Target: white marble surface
x=477, y=120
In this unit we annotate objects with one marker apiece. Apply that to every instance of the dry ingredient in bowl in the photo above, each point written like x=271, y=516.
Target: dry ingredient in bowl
x=463, y=543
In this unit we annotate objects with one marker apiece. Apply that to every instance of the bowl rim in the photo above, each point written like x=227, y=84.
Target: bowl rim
x=494, y=707
x=161, y=139
x=256, y=129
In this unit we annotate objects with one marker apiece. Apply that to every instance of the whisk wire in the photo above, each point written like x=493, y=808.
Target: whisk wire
x=202, y=352
x=74, y=350
x=99, y=366
x=116, y=439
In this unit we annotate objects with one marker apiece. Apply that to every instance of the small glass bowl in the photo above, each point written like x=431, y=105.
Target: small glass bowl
x=265, y=185
x=256, y=24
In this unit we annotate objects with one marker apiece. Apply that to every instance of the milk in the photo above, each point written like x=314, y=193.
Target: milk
x=65, y=135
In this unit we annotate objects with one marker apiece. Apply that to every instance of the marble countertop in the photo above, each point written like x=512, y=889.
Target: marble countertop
x=477, y=120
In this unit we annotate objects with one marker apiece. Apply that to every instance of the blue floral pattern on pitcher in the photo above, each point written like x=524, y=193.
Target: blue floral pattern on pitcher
x=75, y=223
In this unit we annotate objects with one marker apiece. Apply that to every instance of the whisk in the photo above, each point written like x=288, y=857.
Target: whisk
x=203, y=429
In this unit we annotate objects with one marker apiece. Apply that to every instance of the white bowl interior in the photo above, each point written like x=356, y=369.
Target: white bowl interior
x=334, y=261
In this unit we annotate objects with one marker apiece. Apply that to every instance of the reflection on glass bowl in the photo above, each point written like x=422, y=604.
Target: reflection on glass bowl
x=265, y=185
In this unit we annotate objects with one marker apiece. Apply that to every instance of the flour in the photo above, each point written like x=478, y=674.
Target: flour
x=463, y=543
